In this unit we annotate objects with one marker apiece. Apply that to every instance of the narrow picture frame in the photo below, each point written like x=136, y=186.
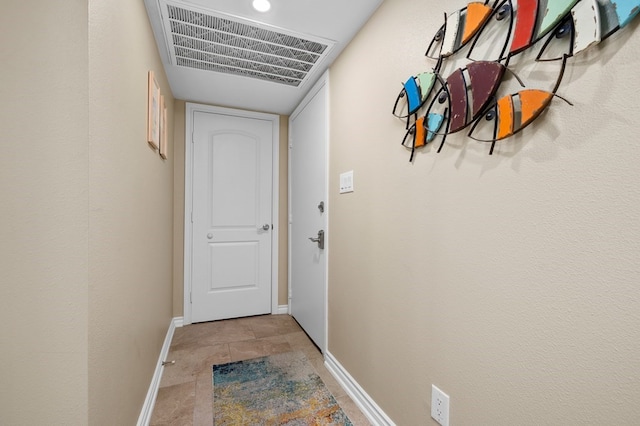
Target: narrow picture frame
x=153, y=112
x=163, y=129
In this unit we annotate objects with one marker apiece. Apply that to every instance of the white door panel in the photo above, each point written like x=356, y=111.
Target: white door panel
x=232, y=196
x=308, y=183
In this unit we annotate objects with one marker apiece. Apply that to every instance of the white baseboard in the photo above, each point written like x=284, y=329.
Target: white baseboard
x=367, y=405
x=152, y=393
x=283, y=309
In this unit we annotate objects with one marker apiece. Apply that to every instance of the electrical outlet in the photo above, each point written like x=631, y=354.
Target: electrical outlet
x=439, y=406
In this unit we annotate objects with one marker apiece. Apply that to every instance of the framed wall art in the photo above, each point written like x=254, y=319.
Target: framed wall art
x=163, y=128
x=153, y=112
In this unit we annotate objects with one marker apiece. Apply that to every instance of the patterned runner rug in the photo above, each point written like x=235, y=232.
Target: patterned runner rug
x=280, y=389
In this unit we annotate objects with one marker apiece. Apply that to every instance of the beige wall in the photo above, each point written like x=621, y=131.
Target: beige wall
x=43, y=211
x=87, y=214
x=178, y=223
x=509, y=281
x=283, y=210
x=130, y=214
x=178, y=208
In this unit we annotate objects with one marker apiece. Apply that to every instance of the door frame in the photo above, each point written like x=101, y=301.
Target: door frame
x=190, y=109
x=320, y=84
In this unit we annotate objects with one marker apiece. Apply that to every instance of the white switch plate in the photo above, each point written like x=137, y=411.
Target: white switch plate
x=346, y=182
x=439, y=406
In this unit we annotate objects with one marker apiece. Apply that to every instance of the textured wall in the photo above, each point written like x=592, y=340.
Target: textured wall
x=178, y=209
x=509, y=281
x=283, y=209
x=43, y=211
x=130, y=214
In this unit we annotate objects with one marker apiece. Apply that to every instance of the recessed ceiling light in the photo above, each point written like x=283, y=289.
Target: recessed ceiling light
x=261, y=5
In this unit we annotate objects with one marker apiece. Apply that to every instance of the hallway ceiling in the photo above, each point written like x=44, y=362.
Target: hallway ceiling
x=223, y=52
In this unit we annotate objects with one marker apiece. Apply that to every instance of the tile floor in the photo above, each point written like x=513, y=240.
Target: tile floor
x=185, y=394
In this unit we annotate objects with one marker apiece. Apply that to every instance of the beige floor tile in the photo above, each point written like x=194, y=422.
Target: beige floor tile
x=192, y=361
x=273, y=325
x=210, y=333
x=258, y=348
x=352, y=411
x=185, y=394
x=299, y=341
x=329, y=381
x=174, y=405
x=203, y=410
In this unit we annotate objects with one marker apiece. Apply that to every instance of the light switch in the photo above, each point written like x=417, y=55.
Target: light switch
x=346, y=182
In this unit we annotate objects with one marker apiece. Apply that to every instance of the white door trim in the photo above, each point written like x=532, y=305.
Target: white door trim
x=322, y=82
x=191, y=108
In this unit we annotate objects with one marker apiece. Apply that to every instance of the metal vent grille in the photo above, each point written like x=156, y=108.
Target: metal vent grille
x=213, y=43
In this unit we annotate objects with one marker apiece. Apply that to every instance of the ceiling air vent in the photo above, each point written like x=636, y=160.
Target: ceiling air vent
x=223, y=44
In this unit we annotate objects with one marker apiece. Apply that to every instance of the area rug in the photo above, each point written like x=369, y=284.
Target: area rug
x=280, y=389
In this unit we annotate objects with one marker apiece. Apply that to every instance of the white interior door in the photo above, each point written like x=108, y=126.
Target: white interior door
x=308, y=131
x=232, y=216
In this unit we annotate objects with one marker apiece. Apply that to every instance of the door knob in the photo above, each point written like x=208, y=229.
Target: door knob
x=209, y=236
x=265, y=227
x=319, y=240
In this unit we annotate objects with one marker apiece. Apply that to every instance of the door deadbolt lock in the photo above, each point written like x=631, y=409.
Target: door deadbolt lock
x=321, y=206
x=319, y=240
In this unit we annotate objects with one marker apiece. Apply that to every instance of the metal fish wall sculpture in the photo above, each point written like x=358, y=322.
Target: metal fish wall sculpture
x=458, y=29
x=512, y=113
x=469, y=96
x=415, y=91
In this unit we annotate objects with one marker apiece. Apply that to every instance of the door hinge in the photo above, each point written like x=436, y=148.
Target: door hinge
x=190, y=297
x=191, y=217
x=191, y=137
